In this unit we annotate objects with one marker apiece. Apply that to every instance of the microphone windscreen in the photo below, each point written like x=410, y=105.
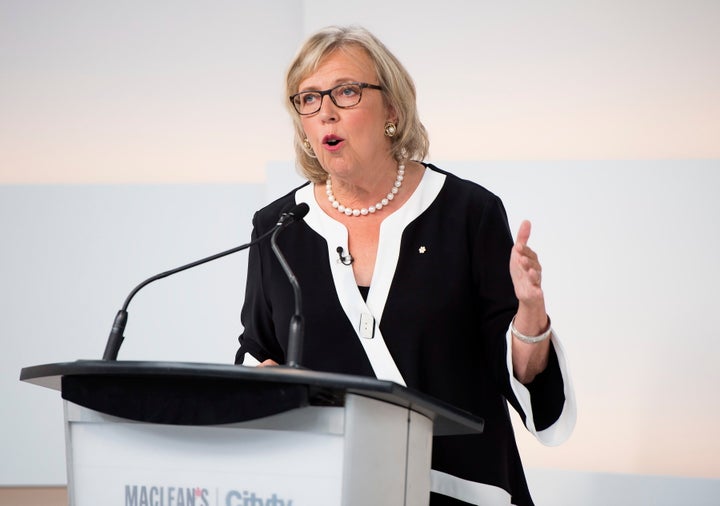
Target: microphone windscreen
x=300, y=210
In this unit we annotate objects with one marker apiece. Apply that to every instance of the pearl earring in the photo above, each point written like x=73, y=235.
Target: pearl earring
x=390, y=129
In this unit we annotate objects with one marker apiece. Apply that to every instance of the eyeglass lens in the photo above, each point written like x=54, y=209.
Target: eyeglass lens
x=343, y=95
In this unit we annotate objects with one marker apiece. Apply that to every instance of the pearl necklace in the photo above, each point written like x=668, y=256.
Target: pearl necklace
x=348, y=211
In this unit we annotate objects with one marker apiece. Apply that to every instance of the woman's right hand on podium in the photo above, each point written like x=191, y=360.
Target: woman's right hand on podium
x=267, y=363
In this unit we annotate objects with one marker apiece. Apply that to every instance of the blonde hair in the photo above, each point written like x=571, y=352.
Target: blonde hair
x=411, y=140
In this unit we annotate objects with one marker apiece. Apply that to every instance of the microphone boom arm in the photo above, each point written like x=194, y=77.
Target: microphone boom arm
x=116, y=336
x=297, y=325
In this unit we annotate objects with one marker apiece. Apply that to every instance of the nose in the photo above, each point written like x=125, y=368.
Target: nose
x=328, y=110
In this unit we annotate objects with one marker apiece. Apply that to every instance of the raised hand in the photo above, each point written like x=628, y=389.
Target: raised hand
x=526, y=271
x=531, y=318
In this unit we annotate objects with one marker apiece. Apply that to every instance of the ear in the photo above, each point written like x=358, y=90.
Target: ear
x=391, y=114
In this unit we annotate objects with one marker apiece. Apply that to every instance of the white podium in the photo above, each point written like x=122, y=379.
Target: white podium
x=182, y=434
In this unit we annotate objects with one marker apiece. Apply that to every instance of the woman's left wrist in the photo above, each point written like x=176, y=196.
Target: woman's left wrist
x=531, y=334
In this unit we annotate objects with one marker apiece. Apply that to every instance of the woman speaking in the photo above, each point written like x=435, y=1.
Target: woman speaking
x=409, y=273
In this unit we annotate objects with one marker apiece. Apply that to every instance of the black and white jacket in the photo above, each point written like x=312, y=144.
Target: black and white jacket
x=442, y=300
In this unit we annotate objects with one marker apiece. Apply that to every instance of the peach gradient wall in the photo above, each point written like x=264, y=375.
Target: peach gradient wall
x=96, y=92
x=178, y=92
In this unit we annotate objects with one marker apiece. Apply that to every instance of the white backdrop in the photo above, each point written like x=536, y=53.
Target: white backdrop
x=134, y=137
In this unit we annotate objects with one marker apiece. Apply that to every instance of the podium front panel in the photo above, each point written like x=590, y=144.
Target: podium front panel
x=366, y=452
x=124, y=463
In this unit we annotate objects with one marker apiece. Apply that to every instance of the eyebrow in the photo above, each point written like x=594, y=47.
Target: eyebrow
x=337, y=83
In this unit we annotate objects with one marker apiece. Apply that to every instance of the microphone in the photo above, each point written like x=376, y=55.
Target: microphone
x=116, y=336
x=344, y=259
x=296, y=331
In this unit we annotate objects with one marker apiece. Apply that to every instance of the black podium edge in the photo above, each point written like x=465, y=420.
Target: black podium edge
x=447, y=419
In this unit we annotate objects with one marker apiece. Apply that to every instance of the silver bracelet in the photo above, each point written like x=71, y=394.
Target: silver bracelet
x=531, y=339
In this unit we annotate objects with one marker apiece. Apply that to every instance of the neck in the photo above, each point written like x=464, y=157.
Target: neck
x=357, y=200
x=365, y=183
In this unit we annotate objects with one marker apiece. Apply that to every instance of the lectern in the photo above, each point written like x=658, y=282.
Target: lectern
x=186, y=434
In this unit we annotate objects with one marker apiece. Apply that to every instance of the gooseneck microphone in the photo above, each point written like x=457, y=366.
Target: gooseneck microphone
x=116, y=336
x=297, y=325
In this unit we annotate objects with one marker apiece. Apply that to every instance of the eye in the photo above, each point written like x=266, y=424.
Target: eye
x=347, y=90
x=308, y=98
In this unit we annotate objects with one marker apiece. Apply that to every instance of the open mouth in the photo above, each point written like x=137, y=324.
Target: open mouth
x=332, y=140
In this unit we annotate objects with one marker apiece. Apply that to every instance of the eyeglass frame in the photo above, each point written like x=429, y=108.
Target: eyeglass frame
x=328, y=93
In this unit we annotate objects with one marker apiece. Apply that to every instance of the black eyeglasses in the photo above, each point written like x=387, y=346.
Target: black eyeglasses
x=343, y=95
